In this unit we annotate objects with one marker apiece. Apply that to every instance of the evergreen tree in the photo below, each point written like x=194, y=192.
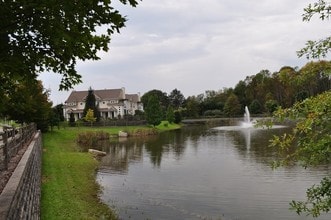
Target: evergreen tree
x=72, y=119
x=90, y=103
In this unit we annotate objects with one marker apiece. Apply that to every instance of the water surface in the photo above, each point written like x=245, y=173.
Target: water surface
x=202, y=173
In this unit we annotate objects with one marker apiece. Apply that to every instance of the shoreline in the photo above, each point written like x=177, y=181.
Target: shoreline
x=69, y=186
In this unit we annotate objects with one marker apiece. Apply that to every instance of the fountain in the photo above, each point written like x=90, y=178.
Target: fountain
x=246, y=125
x=247, y=119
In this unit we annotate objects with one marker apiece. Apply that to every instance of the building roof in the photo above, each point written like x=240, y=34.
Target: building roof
x=132, y=97
x=104, y=94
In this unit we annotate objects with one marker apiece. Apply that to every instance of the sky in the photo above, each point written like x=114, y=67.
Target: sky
x=195, y=46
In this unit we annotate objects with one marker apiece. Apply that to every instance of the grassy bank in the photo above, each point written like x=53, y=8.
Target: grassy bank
x=69, y=189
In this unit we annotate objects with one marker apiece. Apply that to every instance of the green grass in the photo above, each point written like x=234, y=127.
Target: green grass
x=165, y=126
x=69, y=189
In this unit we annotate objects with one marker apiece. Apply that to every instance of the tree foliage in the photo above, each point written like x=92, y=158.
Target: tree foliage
x=263, y=92
x=28, y=102
x=232, y=106
x=89, y=117
x=170, y=115
x=161, y=96
x=176, y=99
x=317, y=48
x=192, y=106
x=318, y=199
x=90, y=104
x=311, y=135
x=312, y=139
x=58, y=110
x=37, y=36
x=153, y=111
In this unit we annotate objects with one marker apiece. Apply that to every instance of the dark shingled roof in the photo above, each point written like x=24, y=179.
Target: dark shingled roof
x=104, y=94
x=132, y=97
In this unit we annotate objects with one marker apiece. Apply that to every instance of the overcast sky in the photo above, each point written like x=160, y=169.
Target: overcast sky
x=197, y=45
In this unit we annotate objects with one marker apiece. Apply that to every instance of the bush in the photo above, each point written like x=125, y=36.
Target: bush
x=143, y=132
x=90, y=139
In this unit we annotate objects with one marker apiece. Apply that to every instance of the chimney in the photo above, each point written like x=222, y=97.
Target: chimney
x=123, y=93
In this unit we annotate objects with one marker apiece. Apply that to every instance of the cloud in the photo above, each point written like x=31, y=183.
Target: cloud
x=199, y=45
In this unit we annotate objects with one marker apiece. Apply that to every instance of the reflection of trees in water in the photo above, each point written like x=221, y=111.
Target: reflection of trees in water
x=167, y=142
x=254, y=143
x=121, y=152
x=174, y=142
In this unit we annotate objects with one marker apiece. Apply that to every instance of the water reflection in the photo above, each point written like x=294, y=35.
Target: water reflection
x=250, y=143
x=201, y=173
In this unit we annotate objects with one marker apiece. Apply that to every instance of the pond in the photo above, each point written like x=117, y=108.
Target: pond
x=202, y=172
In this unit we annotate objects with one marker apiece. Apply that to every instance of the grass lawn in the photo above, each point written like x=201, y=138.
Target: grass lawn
x=69, y=189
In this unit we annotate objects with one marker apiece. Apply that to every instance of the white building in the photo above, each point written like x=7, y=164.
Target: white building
x=112, y=103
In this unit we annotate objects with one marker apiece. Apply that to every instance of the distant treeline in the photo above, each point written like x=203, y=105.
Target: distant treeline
x=262, y=93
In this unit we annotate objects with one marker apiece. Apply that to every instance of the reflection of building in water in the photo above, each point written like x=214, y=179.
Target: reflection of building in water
x=120, y=155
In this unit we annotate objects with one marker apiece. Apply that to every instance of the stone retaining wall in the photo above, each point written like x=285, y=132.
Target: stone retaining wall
x=20, y=199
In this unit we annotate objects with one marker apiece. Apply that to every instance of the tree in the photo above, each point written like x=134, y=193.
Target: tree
x=90, y=103
x=72, y=119
x=312, y=131
x=240, y=92
x=58, y=110
x=255, y=107
x=139, y=115
x=312, y=139
x=178, y=116
x=38, y=36
x=161, y=96
x=89, y=117
x=314, y=78
x=232, y=106
x=271, y=105
x=317, y=48
x=170, y=115
x=192, y=106
x=54, y=119
x=153, y=111
x=176, y=99
x=28, y=102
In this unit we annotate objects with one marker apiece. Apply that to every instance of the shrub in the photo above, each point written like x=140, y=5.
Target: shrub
x=90, y=139
x=143, y=132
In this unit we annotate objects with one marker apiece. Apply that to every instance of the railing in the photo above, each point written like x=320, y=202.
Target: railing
x=12, y=140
